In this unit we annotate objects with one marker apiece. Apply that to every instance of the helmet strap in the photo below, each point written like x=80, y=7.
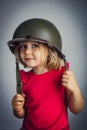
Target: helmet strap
x=66, y=64
x=18, y=79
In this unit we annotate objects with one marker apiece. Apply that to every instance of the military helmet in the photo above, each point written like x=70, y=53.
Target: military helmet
x=39, y=30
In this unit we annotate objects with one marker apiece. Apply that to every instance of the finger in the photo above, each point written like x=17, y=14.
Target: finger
x=64, y=84
x=20, y=98
x=17, y=108
x=18, y=101
x=64, y=80
x=18, y=105
x=23, y=94
x=65, y=76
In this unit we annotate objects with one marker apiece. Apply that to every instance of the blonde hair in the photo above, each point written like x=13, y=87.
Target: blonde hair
x=17, y=54
x=49, y=57
x=54, y=62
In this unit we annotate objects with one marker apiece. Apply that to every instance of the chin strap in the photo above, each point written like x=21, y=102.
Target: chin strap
x=18, y=79
x=67, y=65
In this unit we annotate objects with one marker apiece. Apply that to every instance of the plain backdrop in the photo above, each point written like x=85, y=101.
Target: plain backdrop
x=70, y=17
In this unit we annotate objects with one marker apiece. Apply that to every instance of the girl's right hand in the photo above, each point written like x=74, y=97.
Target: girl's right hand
x=18, y=102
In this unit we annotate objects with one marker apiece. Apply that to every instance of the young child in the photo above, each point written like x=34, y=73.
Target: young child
x=50, y=87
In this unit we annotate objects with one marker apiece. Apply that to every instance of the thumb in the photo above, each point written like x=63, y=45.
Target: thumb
x=23, y=94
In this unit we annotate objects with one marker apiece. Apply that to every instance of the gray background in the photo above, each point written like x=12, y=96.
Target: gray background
x=70, y=17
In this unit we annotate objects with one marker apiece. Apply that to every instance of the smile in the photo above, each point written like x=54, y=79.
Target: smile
x=29, y=59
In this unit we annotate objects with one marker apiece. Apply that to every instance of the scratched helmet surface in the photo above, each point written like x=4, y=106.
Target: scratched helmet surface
x=39, y=29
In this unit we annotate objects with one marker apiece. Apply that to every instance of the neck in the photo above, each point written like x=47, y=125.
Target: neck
x=40, y=70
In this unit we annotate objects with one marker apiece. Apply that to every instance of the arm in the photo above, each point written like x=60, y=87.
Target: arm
x=74, y=95
x=18, y=105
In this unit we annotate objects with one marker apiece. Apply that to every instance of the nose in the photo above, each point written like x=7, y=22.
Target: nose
x=28, y=51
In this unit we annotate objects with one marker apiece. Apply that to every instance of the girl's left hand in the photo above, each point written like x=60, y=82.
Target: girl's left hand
x=69, y=81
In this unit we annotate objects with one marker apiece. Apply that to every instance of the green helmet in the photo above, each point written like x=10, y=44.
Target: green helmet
x=39, y=30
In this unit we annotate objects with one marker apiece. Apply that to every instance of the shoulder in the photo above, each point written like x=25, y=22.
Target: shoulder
x=24, y=75
x=59, y=71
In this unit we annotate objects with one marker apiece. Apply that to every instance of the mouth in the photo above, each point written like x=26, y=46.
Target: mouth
x=29, y=59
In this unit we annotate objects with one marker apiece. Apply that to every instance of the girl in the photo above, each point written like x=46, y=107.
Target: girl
x=50, y=87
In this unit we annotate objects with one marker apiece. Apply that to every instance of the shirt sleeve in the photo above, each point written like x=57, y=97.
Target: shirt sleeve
x=23, y=76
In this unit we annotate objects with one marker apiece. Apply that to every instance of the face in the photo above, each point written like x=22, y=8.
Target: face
x=32, y=53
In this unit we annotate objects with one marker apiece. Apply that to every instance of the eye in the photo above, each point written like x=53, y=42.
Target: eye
x=22, y=47
x=35, y=45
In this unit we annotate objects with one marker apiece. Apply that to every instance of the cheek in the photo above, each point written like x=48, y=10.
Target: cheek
x=38, y=56
x=42, y=58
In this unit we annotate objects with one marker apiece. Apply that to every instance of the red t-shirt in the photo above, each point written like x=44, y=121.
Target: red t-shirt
x=45, y=105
